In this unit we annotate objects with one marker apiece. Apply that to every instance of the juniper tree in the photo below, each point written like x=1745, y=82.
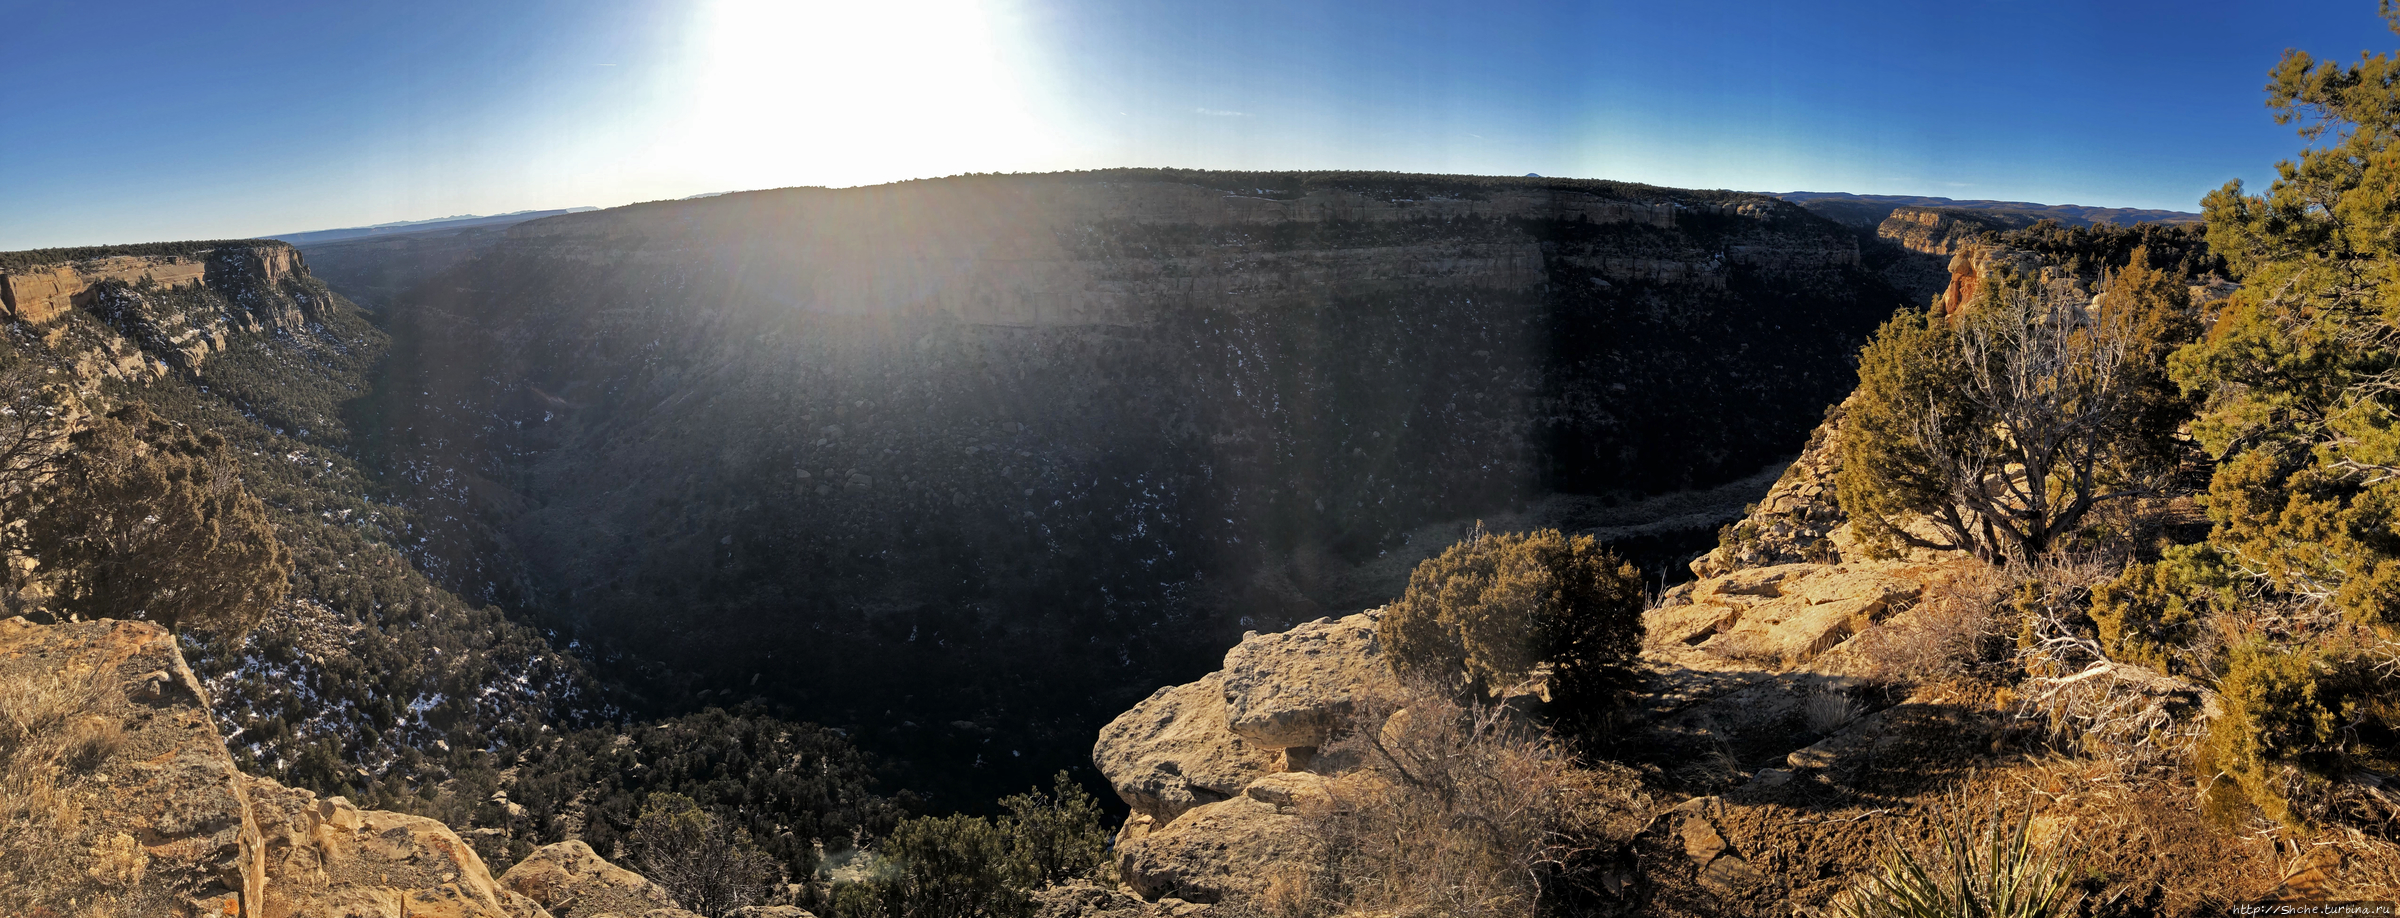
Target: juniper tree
x=1492, y=611
x=2299, y=389
x=146, y=519
x=2003, y=427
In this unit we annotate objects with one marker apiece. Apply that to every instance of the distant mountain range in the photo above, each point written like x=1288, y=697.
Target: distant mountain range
x=1869, y=210
x=437, y=224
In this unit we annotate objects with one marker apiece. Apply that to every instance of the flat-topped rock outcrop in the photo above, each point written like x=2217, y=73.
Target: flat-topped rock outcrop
x=572, y=881
x=122, y=795
x=325, y=858
x=135, y=775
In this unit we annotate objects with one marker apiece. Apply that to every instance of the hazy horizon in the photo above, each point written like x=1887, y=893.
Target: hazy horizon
x=279, y=121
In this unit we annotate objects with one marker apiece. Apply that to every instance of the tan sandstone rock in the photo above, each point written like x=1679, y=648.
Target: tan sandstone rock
x=1788, y=614
x=153, y=790
x=573, y=881
x=1295, y=688
x=325, y=858
x=1291, y=791
x=1225, y=849
x=39, y=295
x=1174, y=751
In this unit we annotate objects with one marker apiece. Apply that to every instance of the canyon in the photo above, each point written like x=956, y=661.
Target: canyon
x=964, y=470
x=1043, y=440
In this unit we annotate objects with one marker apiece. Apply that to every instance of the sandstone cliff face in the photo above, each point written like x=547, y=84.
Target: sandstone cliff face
x=1068, y=251
x=167, y=312
x=1974, y=264
x=144, y=808
x=39, y=293
x=1938, y=231
x=261, y=353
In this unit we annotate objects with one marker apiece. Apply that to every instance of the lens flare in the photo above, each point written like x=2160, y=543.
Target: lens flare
x=855, y=93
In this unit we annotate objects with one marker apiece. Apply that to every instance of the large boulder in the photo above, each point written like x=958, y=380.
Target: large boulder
x=1814, y=613
x=573, y=881
x=1297, y=688
x=143, y=807
x=1174, y=751
x=325, y=858
x=1787, y=614
x=1223, y=850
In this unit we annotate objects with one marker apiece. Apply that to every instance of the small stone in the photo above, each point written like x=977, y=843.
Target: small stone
x=1700, y=839
x=1732, y=874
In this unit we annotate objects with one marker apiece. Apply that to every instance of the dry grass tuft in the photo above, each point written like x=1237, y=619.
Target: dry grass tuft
x=1948, y=634
x=89, y=743
x=50, y=861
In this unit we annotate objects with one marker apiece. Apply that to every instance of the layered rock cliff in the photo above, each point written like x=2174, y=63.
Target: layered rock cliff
x=119, y=794
x=39, y=287
x=1038, y=433
x=1936, y=231
x=370, y=676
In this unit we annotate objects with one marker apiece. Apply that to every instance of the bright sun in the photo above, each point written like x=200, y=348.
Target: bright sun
x=852, y=93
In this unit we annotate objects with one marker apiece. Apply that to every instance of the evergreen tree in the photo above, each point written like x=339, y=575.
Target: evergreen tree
x=2297, y=385
x=2301, y=374
x=2003, y=427
x=1491, y=611
x=146, y=520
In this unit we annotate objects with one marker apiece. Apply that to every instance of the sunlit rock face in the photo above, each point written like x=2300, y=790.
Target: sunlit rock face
x=165, y=311
x=1940, y=231
x=1037, y=439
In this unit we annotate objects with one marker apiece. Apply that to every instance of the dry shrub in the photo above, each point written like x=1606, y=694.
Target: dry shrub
x=2108, y=707
x=1460, y=810
x=50, y=862
x=1948, y=634
x=2143, y=846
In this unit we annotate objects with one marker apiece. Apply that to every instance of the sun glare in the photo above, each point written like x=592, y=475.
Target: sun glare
x=817, y=93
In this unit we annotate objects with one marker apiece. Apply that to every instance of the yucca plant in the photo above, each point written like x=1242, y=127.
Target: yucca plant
x=1972, y=874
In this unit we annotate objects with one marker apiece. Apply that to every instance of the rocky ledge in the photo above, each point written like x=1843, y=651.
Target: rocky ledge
x=1218, y=771
x=1771, y=679
x=160, y=818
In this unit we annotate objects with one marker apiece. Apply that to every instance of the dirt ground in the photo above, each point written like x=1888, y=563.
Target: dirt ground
x=2133, y=838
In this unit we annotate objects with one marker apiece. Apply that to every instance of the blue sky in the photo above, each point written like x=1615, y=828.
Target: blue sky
x=139, y=121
